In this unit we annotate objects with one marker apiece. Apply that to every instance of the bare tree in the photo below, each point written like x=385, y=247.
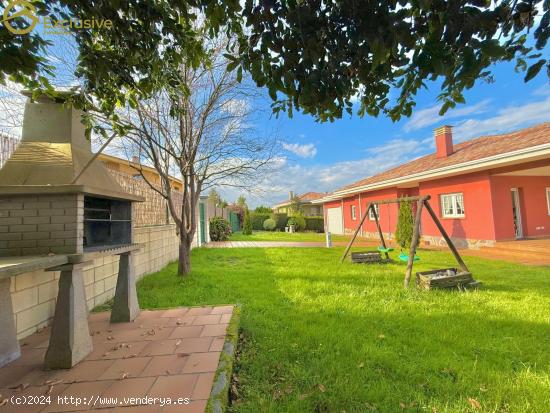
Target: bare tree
x=204, y=135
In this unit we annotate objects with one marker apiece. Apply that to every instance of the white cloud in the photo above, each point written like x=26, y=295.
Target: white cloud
x=430, y=116
x=506, y=120
x=307, y=150
x=544, y=90
x=236, y=107
x=325, y=178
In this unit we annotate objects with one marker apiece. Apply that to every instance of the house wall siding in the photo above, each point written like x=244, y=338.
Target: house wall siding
x=477, y=223
x=475, y=229
x=534, y=209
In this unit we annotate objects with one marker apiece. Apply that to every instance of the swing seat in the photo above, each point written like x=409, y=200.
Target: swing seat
x=405, y=258
x=382, y=249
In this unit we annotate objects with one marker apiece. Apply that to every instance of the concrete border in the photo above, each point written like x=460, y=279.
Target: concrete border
x=219, y=396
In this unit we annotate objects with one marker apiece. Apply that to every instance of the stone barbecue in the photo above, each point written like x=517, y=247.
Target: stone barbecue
x=60, y=209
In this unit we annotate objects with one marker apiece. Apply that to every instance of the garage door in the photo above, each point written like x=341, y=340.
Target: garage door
x=334, y=218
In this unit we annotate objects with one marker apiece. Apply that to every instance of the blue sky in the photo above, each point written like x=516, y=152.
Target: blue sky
x=323, y=156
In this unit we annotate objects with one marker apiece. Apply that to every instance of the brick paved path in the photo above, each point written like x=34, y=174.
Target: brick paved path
x=164, y=353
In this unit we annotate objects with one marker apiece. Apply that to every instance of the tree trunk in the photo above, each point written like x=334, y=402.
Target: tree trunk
x=184, y=258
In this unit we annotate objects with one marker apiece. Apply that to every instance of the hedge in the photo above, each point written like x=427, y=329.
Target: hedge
x=315, y=224
x=280, y=220
x=258, y=220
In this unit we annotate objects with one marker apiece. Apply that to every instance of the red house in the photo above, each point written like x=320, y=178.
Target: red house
x=484, y=190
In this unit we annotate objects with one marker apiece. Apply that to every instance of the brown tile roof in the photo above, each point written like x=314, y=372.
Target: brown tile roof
x=305, y=197
x=475, y=149
x=310, y=196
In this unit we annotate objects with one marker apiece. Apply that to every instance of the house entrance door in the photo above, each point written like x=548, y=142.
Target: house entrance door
x=516, y=211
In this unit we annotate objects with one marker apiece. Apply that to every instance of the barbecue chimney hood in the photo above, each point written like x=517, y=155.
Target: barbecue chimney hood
x=52, y=153
x=55, y=197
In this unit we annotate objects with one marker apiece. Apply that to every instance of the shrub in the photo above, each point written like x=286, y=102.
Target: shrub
x=316, y=224
x=220, y=229
x=405, y=224
x=281, y=220
x=298, y=221
x=258, y=220
x=269, y=224
x=247, y=223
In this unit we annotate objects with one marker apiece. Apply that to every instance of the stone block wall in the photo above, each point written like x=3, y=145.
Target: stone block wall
x=34, y=294
x=40, y=224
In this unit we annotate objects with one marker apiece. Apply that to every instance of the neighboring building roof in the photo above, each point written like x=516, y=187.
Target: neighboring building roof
x=304, y=198
x=116, y=159
x=476, y=154
x=310, y=196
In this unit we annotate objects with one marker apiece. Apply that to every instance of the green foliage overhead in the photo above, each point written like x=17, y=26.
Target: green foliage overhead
x=405, y=225
x=247, y=223
x=318, y=56
x=263, y=210
x=130, y=60
x=220, y=229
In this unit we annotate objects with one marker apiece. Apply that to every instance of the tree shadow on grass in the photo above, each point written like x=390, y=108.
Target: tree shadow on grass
x=385, y=355
x=325, y=338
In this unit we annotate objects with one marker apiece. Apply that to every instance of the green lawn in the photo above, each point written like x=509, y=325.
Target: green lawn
x=285, y=236
x=325, y=337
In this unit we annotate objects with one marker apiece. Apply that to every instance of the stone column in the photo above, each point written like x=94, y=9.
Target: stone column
x=70, y=340
x=125, y=306
x=9, y=346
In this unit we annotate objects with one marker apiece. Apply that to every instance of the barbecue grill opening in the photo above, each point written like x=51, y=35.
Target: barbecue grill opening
x=107, y=222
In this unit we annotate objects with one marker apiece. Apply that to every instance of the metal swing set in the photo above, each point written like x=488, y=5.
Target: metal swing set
x=442, y=278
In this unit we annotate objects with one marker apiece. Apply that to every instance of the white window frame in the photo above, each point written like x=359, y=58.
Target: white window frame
x=548, y=199
x=453, y=197
x=371, y=215
x=353, y=212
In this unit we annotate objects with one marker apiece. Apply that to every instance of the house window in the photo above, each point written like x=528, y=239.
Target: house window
x=452, y=205
x=371, y=215
x=353, y=213
x=548, y=199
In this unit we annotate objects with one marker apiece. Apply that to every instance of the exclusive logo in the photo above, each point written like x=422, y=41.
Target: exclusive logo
x=20, y=9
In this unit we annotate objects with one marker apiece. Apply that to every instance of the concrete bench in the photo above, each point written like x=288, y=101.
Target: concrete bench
x=70, y=339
